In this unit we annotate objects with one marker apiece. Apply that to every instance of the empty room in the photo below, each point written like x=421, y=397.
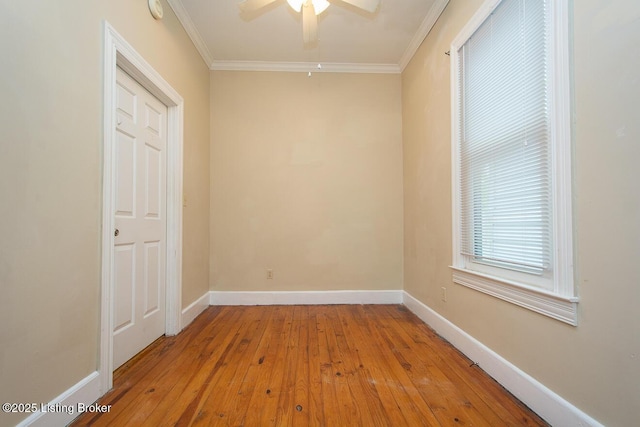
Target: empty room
x=328, y=213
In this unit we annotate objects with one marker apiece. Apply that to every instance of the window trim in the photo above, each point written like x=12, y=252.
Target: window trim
x=561, y=301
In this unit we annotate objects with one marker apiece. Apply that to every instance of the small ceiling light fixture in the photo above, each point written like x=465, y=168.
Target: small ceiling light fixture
x=319, y=69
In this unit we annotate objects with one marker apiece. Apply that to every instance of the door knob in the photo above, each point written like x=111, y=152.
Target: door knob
x=116, y=232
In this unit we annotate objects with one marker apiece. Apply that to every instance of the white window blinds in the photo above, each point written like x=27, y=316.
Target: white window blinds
x=505, y=181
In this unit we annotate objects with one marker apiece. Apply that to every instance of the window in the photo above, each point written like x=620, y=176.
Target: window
x=512, y=157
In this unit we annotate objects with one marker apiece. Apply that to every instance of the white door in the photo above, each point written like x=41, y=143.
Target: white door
x=140, y=219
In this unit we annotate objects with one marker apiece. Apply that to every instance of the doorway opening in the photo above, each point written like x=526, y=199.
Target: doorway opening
x=120, y=54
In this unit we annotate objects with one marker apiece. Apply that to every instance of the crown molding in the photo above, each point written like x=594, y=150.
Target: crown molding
x=215, y=65
x=422, y=33
x=192, y=32
x=331, y=67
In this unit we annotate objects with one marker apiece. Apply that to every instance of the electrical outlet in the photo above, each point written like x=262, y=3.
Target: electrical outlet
x=443, y=294
x=270, y=274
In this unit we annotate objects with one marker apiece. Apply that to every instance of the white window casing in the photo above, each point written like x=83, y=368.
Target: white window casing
x=511, y=156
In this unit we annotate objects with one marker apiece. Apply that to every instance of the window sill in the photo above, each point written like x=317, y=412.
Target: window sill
x=558, y=307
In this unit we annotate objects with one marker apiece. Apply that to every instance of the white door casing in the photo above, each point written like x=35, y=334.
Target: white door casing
x=119, y=53
x=140, y=219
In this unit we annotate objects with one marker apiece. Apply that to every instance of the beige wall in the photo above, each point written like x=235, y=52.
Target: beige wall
x=306, y=180
x=50, y=181
x=595, y=366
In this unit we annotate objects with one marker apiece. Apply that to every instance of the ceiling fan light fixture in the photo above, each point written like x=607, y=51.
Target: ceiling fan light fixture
x=310, y=9
x=320, y=6
x=296, y=4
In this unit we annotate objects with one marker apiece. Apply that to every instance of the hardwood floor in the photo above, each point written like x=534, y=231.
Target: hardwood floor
x=337, y=365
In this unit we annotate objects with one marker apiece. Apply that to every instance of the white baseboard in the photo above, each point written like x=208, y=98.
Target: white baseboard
x=305, y=298
x=550, y=406
x=65, y=408
x=194, y=309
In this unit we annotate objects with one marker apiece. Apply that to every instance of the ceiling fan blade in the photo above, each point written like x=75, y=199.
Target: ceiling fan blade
x=253, y=5
x=368, y=5
x=309, y=23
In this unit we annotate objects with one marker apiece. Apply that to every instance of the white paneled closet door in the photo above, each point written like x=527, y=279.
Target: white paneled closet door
x=140, y=219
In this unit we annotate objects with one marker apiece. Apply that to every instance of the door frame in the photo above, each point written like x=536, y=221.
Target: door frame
x=119, y=53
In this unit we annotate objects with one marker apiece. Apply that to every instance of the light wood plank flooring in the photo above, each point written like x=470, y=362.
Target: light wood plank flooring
x=336, y=365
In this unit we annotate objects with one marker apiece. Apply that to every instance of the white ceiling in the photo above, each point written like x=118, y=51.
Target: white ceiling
x=349, y=40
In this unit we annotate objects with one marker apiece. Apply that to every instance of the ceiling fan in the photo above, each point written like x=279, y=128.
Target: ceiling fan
x=310, y=11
